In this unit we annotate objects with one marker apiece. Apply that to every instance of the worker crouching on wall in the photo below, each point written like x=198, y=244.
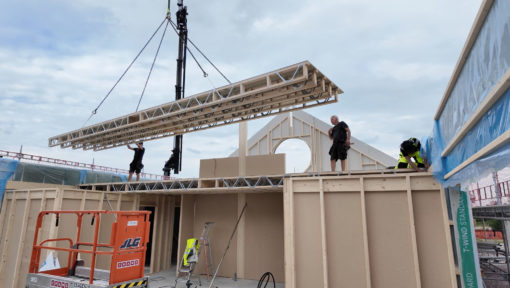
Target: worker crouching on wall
x=410, y=149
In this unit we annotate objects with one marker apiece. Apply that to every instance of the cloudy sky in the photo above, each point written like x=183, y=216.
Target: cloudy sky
x=58, y=59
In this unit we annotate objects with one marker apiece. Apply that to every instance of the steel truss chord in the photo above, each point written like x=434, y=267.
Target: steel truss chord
x=229, y=183
x=291, y=88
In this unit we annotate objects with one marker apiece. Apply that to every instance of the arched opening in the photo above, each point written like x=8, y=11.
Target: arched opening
x=297, y=155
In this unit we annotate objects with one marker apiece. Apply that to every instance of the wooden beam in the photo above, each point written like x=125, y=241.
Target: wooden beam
x=101, y=201
x=136, y=203
x=154, y=235
x=499, y=89
x=323, y=235
x=83, y=199
x=42, y=207
x=366, y=253
x=243, y=135
x=57, y=205
x=473, y=35
x=10, y=220
x=449, y=240
x=119, y=201
x=2, y=214
x=21, y=241
x=160, y=235
x=494, y=145
x=170, y=231
x=414, y=245
x=290, y=250
x=241, y=237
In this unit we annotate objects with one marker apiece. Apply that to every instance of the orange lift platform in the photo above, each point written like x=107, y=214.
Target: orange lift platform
x=126, y=250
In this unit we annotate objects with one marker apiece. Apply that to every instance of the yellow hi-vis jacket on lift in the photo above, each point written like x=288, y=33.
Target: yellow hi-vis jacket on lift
x=191, y=252
x=417, y=158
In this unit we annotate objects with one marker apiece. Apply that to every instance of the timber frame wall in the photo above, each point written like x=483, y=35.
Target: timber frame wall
x=367, y=231
x=314, y=132
x=20, y=209
x=351, y=230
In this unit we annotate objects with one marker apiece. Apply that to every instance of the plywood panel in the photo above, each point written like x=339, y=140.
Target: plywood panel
x=308, y=246
x=432, y=245
x=67, y=226
x=219, y=167
x=12, y=241
x=6, y=211
x=22, y=185
x=264, y=236
x=44, y=233
x=26, y=251
x=271, y=164
x=385, y=183
x=344, y=229
x=340, y=185
x=389, y=239
x=401, y=218
x=222, y=210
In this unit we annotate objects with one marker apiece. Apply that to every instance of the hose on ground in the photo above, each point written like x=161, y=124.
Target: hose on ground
x=266, y=277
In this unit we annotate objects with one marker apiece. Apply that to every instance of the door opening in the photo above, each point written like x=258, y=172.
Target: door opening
x=175, y=236
x=149, y=244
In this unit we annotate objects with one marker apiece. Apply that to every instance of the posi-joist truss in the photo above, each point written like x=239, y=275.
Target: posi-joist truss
x=250, y=184
x=222, y=185
x=291, y=88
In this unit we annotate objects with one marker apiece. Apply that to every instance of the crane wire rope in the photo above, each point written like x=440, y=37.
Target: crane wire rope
x=191, y=53
x=200, y=51
x=152, y=66
x=125, y=71
x=174, y=26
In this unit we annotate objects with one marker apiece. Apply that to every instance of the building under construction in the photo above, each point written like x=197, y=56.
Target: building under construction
x=368, y=226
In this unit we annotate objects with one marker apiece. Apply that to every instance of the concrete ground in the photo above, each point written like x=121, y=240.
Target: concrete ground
x=166, y=279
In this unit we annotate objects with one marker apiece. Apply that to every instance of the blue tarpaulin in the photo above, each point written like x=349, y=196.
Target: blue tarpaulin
x=485, y=66
x=7, y=168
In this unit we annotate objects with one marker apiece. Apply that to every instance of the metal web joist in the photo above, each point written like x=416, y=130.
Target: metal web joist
x=178, y=186
x=273, y=183
x=291, y=88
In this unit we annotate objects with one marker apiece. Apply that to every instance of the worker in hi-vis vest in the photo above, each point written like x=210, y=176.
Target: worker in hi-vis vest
x=411, y=149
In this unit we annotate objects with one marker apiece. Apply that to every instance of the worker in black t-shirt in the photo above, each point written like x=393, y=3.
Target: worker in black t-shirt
x=341, y=136
x=136, y=165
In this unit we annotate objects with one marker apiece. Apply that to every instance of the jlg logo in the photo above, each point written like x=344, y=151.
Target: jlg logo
x=130, y=243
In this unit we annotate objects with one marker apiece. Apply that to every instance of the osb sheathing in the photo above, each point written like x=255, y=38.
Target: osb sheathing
x=367, y=231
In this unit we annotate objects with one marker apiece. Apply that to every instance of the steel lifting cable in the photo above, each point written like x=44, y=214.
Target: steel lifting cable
x=152, y=66
x=209, y=61
x=125, y=71
x=200, y=51
x=191, y=53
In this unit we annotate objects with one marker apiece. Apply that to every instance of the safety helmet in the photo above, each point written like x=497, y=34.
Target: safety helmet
x=416, y=143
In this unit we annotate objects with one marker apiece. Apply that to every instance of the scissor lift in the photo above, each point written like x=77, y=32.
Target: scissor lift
x=127, y=247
